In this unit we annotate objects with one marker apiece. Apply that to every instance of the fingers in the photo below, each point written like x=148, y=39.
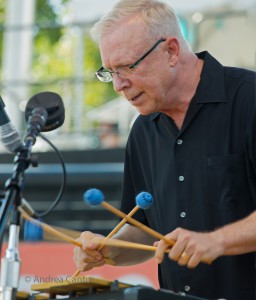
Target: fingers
x=175, y=251
x=84, y=261
x=189, y=260
x=190, y=248
x=194, y=260
x=88, y=257
x=184, y=259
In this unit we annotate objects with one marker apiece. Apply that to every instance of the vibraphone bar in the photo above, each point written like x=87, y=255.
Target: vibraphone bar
x=93, y=288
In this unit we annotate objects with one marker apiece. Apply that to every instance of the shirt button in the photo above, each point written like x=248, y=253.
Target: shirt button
x=187, y=288
x=179, y=142
x=181, y=178
x=183, y=214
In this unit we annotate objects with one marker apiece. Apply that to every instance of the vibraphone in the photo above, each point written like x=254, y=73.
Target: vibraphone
x=92, y=288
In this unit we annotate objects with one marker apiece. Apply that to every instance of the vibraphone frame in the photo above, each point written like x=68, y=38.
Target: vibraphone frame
x=137, y=293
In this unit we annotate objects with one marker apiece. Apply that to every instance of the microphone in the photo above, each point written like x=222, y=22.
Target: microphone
x=8, y=133
x=24, y=205
x=52, y=104
x=36, y=122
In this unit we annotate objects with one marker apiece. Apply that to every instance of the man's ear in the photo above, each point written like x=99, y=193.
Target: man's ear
x=173, y=49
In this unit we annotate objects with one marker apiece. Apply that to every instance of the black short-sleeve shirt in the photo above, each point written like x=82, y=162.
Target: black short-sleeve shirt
x=202, y=176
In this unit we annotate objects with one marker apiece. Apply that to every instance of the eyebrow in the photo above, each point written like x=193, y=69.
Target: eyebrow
x=118, y=67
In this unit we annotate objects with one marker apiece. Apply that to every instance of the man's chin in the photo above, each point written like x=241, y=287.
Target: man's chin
x=145, y=112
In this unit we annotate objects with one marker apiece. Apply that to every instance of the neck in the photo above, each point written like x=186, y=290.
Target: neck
x=185, y=91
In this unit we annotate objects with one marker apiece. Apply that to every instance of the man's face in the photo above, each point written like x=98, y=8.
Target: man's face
x=147, y=86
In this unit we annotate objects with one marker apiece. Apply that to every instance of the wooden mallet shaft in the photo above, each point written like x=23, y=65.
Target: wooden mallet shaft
x=118, y=226
x=131, y=245
x=50, y=229
x=55, y=232
x=137, y=223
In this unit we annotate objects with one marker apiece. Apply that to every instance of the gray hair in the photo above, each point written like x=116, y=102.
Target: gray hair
x=159, y=18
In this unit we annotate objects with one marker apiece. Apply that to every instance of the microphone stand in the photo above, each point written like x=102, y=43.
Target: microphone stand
x=10, y=272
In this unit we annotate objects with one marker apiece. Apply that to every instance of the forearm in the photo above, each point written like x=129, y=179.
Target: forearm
x=239, y=237
x=133, y=234
x=192, y=248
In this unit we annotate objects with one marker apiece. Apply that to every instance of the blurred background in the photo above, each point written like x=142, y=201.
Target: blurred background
x=45, y=45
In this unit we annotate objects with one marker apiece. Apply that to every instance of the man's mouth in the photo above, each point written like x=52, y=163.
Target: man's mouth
x=135, y=98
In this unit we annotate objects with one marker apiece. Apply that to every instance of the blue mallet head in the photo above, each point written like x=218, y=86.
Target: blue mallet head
x=144, y=200
x=93, y=197
x=33, y=232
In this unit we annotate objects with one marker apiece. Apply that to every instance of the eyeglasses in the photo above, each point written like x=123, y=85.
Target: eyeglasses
x=106, y=75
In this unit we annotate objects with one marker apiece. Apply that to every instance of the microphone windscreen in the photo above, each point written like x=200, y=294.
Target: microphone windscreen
x=54, y=106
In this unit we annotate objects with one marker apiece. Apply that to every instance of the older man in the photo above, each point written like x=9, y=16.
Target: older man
x=193, y=147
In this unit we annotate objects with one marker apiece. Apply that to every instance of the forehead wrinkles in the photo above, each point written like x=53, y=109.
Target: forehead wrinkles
x=112, y=54
x=124, y=44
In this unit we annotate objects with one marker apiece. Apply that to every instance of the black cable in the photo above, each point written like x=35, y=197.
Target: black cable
x=63, y=182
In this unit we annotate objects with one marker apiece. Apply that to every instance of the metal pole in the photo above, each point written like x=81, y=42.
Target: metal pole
x=17, y=53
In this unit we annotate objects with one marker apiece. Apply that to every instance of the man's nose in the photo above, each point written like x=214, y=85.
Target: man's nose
x=120, y=83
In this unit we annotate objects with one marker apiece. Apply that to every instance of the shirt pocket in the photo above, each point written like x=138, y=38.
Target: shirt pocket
x=226, y=180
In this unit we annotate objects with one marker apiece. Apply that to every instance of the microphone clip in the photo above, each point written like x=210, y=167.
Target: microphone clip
x=36, y=123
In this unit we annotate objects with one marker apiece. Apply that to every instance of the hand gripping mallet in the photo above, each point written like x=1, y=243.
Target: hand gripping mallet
x=93, y=197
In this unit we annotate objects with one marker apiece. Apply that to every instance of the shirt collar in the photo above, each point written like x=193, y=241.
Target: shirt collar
x=211, y=87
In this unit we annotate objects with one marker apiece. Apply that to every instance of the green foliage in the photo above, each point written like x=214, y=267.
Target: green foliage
x=53, y=61
x=47, y=21
x=54, y=56
x=97, y=93
x=2, y=11
x=2, y=18
x=56, y=61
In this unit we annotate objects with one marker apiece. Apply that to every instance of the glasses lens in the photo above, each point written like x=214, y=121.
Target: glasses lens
x=104, y=76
